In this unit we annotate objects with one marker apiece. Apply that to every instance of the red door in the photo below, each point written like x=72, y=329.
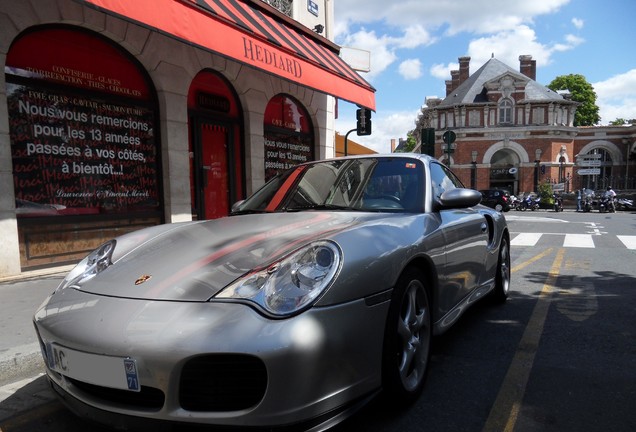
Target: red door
x=211, y=186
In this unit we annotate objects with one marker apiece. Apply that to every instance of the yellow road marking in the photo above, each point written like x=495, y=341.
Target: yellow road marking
x=503, y=415
x=531, y=260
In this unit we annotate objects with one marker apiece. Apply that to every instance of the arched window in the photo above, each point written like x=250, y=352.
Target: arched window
x=505, y=111
x=82, y=126
x=289, y=135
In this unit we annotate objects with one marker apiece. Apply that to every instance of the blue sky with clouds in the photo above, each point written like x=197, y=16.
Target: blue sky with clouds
x=414, y=44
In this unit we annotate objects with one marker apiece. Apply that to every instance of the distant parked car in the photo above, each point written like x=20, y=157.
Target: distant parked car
x=499, y=199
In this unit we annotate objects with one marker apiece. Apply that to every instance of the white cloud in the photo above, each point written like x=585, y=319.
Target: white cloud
x=507, y=46
x=616, y=97
x=386, y=126
x=414, y=36
x=383, y=48
x=381, y=55
x=578, y=23
x=480, y=16
x=442, y=71
x=411, y=69
x=505, y=26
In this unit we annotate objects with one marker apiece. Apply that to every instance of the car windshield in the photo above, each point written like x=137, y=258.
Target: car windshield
x=365, y=184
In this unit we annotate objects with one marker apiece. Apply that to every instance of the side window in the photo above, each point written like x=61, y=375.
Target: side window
x=442, y=179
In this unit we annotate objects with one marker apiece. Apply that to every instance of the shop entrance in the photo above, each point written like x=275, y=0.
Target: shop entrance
x=216, y=156
x=213, y=174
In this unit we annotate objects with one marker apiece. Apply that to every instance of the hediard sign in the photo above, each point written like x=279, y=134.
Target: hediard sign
x=259, y=53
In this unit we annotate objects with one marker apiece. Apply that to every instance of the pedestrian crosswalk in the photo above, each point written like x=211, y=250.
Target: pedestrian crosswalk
x=572, y=240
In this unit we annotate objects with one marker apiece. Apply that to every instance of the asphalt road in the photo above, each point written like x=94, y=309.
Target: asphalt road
x=560, y=355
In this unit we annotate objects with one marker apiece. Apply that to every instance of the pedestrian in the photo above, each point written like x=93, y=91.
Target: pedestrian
x=579, y=195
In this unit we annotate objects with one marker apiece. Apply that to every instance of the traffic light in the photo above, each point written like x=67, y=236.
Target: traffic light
x=428, y=141
x=363, y=121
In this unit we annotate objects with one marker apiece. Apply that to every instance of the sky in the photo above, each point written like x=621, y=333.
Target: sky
x=414, y=44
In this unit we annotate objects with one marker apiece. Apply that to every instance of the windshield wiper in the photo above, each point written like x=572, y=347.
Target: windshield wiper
x=319, y=207
x=247, y=211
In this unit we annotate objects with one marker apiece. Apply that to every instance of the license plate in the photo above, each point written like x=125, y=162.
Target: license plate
x=106, y=371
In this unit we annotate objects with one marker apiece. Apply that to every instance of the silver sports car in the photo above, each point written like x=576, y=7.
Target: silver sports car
x=320, y=290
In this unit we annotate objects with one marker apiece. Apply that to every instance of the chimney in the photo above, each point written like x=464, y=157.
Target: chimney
x=449, y=87
x=454, y=80
x=528, y=67
x=392, y=145
x=464, y=69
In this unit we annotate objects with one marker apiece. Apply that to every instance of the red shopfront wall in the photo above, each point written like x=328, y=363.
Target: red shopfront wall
x=84, y=146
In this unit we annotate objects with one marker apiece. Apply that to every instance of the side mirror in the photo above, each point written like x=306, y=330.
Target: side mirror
x=459, y=198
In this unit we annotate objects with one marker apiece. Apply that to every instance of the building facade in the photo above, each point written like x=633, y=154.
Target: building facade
x=120, y=115
x=512, y=132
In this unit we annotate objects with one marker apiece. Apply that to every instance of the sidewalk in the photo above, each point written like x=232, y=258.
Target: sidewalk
x=20, y=296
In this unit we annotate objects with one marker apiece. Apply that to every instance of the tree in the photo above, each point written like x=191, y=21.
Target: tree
x=410, y=142
x=621, y=121
x=582, y=92
x=423, y=121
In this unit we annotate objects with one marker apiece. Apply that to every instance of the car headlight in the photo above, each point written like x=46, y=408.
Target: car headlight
x=96, y=262
x=291, y=284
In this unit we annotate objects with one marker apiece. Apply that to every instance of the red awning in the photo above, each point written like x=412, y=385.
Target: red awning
x=253, y=33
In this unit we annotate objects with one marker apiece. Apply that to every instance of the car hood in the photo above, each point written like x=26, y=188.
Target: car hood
x=194, y=261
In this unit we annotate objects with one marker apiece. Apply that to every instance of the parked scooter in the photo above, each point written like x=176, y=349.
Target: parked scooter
x=558, y=202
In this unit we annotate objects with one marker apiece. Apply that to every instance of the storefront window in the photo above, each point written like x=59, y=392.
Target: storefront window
x=289, y=138
x=82, y=127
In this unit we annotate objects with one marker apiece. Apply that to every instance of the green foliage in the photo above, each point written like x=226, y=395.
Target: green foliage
x=545, y=193
x=411, y=142
x=621, y=121
x=582, y=92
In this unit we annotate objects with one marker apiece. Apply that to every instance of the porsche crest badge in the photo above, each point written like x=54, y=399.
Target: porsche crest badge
x=142, y=279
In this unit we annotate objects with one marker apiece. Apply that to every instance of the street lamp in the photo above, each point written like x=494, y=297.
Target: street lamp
x=537, y=161
x=473, y=169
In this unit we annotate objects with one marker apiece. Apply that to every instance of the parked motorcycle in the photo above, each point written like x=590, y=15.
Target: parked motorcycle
x=558, y=202
x=625, y=204
x=514, y=202
x=587, y=199
x=529, y=202
x=606, y=204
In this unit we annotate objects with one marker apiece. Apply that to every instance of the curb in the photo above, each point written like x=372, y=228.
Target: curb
x=24, y=360
x=36, y=274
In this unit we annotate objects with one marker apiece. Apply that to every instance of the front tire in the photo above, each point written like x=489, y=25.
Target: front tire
x=502, y=278
x=407, y=339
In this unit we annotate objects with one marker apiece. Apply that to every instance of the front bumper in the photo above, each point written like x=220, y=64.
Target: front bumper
x=314, y=365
